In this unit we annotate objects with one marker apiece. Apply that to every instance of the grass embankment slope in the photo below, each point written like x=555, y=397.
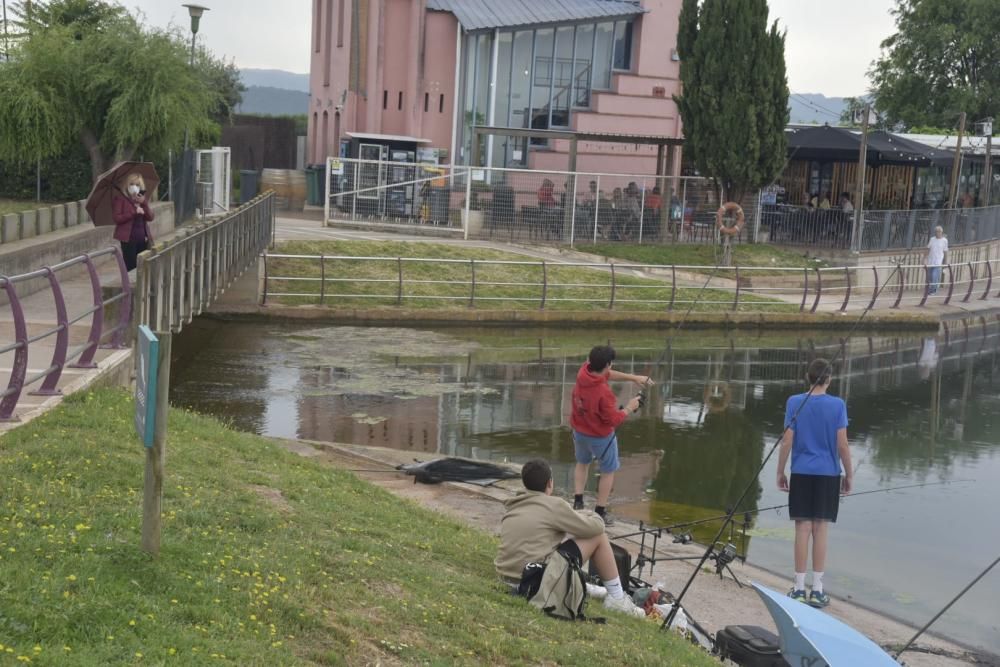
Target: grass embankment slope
x=267, y=558
x=504, y=286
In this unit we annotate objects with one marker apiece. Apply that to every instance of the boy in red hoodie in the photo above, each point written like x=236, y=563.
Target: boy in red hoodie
x=595, y=415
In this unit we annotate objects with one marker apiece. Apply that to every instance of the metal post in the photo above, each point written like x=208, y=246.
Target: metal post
x=684, y=194
x=956, y=164
x=642, y=208
x=597, y=204
x=156, y=455
x=326, y=201
x=862, y=163
x=468, y=204
x=988, y=172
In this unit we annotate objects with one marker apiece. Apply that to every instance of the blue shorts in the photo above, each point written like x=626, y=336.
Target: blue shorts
x=604, y=449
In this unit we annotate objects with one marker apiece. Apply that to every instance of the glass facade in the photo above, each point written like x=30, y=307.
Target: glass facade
x=542, y=75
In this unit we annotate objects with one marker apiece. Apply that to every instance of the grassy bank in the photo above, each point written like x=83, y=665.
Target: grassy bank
x=750, y=255
x=497, y=286
x=268, y=558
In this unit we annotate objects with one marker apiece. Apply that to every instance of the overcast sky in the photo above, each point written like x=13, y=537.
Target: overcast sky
x=830, y=45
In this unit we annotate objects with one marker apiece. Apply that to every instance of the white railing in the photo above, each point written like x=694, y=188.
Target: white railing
x=529, y=205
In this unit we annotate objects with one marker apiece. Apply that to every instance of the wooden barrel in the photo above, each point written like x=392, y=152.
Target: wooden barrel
x=296, y=189
x=277, y=180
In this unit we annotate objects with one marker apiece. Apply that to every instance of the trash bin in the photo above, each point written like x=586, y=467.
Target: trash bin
x=248, y=185
x=315, y=185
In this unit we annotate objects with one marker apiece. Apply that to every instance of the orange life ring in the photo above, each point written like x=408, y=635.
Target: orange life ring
x=730, y=207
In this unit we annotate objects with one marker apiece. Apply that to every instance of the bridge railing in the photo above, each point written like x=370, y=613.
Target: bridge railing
x=179, y=280
x=328, y=279
x=81, y=356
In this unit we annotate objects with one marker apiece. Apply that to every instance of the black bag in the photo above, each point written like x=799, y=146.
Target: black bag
x=531, y=580
x=623, y=561
x=749, y=646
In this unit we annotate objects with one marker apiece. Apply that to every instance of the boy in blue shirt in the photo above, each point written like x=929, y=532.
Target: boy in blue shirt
x=816, y=437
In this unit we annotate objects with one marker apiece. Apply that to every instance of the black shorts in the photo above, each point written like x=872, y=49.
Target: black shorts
x=570, y=548
x=813, y=497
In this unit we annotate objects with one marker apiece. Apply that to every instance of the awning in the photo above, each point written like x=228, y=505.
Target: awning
x=490, y=14
x=841, y=144
x=386, y=138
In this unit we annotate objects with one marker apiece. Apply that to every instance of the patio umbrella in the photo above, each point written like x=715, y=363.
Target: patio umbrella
x=810, y=637
x=100, y=197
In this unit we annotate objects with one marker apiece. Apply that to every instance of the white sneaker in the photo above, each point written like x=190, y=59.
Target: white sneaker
x=624, y=605
x=596, y=592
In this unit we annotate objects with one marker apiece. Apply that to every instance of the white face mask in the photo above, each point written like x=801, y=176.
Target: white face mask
x=133, y=189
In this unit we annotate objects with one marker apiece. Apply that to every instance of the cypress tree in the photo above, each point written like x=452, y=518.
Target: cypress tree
x=734, y=102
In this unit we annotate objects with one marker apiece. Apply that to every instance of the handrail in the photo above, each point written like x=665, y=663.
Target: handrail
x=82, y=355
x=834, y=288
x=176, y=281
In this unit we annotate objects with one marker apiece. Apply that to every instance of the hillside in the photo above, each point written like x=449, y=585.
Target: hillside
x=271, y=101
x=275, y=78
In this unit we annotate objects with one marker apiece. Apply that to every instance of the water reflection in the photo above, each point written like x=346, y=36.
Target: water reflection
x=920, y=407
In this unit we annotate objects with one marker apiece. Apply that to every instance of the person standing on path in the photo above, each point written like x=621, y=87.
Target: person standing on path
x=937, y=253
x=816, y=437
x=594, y=416
x=132, y=214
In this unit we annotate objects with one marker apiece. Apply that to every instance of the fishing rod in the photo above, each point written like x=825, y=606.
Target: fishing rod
x=698, y=522
x=946, y=608
x=753, y=480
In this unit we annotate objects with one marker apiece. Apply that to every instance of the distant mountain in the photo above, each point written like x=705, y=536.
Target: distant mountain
x=269, y=101
x=815, y=108
x=275, y=78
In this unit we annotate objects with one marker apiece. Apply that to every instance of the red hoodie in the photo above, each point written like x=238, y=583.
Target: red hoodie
x=595, y=409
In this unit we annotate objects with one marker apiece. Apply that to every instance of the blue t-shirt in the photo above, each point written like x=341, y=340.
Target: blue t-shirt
x=814, y=447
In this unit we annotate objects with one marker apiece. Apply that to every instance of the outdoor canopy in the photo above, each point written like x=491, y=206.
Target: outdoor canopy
x=841, y=144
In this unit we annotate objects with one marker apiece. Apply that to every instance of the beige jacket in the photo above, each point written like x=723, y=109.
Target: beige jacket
x=533, y=527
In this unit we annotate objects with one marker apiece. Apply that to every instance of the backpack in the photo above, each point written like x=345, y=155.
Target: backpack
x=562, y=590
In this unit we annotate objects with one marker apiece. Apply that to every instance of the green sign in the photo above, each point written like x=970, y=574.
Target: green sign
x=145, y=385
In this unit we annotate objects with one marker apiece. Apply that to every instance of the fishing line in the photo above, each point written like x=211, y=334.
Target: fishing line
x=753, y=480
x=698, y=522
x=946, y=607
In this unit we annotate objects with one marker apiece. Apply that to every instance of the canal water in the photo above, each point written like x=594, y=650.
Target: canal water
x=922, y=410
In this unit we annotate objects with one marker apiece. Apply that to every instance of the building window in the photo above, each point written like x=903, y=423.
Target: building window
x=328, y=32
x=385, y=99
x=623, y=45
x=582, y=65
x=542, y=81
x=562, y=78
x=441, y=104
x=317, y=23
x=399, y=104
x=603, y=50
x=340, y=23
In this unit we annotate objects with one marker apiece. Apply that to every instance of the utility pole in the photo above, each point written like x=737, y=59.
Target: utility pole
x=956, y=165
x=986, y=199
x=860, y=197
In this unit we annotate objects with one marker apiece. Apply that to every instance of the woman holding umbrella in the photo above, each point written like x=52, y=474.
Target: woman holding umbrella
x=132, y=215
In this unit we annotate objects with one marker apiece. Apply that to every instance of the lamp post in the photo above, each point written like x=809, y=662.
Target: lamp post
x=195, y=12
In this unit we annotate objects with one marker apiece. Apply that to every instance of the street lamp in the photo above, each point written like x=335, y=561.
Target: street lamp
x=195, y=12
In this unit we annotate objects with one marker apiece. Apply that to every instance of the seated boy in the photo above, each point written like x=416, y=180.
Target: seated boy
x=536, y=523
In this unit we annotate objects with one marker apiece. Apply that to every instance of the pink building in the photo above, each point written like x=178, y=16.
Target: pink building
x=425, y=71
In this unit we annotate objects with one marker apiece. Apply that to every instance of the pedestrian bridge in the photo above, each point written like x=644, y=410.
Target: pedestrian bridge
x=78, y=329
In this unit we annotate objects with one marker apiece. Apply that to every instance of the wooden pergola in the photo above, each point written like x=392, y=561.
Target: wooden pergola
x=664, y=167
x=574, y=137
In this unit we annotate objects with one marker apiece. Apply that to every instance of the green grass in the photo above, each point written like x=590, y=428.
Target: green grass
x=449, y=285
x=756, y=255
x=267, y=558
x=16, y=206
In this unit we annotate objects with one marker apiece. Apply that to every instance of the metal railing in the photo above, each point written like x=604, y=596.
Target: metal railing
x=328, y=278
x=178, y=281
x=529, y=205
x=880, y=230
x=82, y=356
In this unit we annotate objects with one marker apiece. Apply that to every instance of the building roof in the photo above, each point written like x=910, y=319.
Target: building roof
x=490, y=14
x=841, y=144
x=387, y=137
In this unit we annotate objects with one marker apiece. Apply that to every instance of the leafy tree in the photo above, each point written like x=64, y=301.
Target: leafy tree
x=943, y=59
x=735, y=98
x=89, y=73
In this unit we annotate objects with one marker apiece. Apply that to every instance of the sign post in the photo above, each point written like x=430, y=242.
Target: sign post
x=152, y=389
